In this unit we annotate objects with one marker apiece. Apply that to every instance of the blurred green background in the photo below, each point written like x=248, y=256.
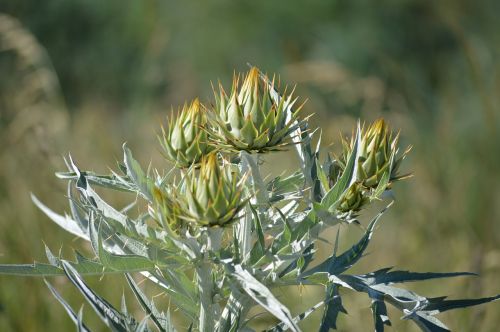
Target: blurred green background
x=85, y=76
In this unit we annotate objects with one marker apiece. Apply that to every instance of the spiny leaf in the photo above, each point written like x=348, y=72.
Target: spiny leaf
x=379, y=311
x=105, y=181
x=80, y=326
x=350, y=257
x=135, y=172
x=143, y=326
x=259, y=248
x=385, y=276
x=428, y=323
x=439, y=305
x=262, y=295
x=334, y=194
x=74, y=317
x=336, y=265
x=47, y=270
x=332, y=309
x=162, y=322
x=298, y=318
x=117, y=262
x=230, y=317
x=306, y=257
x=285, y=188
x=64, y=222
x=301, y=136
x=111, y=317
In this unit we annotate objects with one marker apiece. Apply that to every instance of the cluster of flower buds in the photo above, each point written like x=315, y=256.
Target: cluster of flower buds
x=251, y=118
x=247, y=119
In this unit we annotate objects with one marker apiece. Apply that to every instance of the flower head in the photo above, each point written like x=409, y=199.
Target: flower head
x=249, y=119
x=213, y=195
x=378, y=154
x=185, y=141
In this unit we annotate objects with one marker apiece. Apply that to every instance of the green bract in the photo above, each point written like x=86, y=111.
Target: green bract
x=250, y=119
x=213, y=194
x=377, y=154
x=185, y=141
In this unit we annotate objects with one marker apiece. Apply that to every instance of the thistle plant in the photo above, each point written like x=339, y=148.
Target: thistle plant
x=221, y=237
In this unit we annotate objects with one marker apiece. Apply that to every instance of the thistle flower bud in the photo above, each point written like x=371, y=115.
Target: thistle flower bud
x=378, y=154
x=249, y=119
x=186, y=141
x=213, y=195
x=353, y=199
x=164, y=207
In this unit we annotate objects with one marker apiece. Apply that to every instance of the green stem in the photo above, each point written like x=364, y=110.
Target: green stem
x=244, y=226
x=208, y=309
x=205, y=285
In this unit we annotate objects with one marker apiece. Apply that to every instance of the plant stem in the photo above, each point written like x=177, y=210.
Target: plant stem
x=244, y=226
x=205, y=285
x=208, y=308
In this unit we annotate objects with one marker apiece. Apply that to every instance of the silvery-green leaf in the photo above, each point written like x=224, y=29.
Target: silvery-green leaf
x=162, y=321
x=346, y=179
x=137, y=175
x=428, y=323
x=143, y=326
x=379, y=311
x=105, y=181
x=110, y=316
x=439, y=305
x=64, y=222
x=336, y=265
x=282, y=327
x=262, y=295
x=385, y=276
x=74, y=317
x=80, y=326
x=333, y=307
x=115, y=261
x=36, y=269
x=230, y=316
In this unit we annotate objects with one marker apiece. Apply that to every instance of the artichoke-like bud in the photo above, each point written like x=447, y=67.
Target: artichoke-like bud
x=378, y=154
x=213, y=194
x=250, y=119
x=353, y=199
x=185, y=141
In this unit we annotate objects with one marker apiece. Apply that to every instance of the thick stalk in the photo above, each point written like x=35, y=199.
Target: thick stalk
x=244, y=226
x=205, y=286
x=208, y=309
